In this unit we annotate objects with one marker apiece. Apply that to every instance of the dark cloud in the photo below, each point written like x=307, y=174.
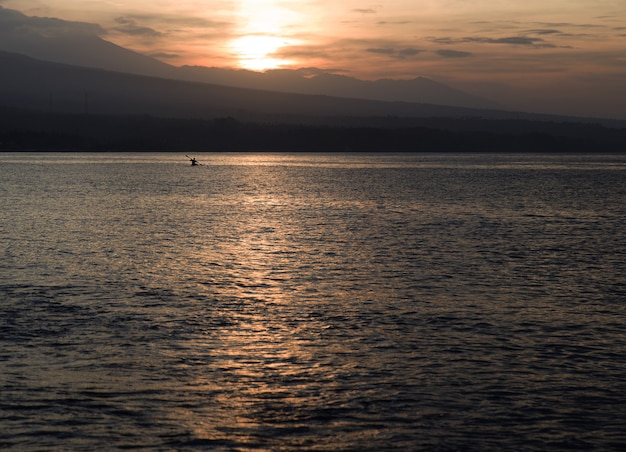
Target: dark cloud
x=395, y=53
x=447, y=40
x=129, y=26
x=408, y=52
x=518, y=40
x=608, y=16
x=555, y=24
x=177, y=21
x=567, y=24
x=386, y=51
x=303, y=52
x=545, y=31
x=397, y=22
x=510, y=40
x=14, y=21
x=453, y=53
x=364, y=11
x=163, y=55
x=314, y=71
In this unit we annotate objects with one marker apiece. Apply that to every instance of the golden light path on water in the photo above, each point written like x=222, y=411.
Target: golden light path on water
x=267, y=340
x=264, y=31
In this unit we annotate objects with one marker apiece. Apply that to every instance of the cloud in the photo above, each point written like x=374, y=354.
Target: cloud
x=408, y=52
x=399, y=54
x=14, y=21
x=183, y=21
x=364, y=11
x=382, y=51
x=315, y=71
x=568, y=24
x=544, y=31
x=396, y=22
x=453, y=53
x=518, y=40
x=304, y=52
x=163, y=55
x=129, y=26
x=509, y=40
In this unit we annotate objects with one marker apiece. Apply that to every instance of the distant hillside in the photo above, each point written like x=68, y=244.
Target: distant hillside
x=30, y=83
x=313, y=81
x=50, y=106
x=73, y=43
x=29, y=130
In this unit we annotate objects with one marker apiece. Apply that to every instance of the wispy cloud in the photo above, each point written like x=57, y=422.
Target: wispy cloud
x=129, y=26
x=314, y=71
x=395, y=53
x=163, y=55
x=408, y=52
x=183, y=21
x=11, y=20
x=446, y=53
x=544, y=31
x=395, y=22
x=304, y=52
x=508, y=40
x=387, y=51
x=569, y=25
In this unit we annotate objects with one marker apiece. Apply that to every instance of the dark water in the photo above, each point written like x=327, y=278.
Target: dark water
x=312, y=302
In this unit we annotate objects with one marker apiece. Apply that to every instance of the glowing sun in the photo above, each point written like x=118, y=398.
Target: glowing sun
x=255, y=52
x=263, y=32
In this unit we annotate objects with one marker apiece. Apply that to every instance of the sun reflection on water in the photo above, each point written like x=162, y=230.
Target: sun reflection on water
x=260, y=364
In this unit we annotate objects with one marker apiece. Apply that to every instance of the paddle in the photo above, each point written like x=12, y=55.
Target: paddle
x=194, y=162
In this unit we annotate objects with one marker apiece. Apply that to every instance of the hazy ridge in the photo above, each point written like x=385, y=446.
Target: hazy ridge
x=57, y=106
x=31, y=83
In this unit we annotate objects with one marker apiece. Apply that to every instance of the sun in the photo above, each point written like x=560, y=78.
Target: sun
x=255, y=52
x=263, y=31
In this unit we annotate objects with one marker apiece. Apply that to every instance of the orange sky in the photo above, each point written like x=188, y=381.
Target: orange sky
x=518, y=53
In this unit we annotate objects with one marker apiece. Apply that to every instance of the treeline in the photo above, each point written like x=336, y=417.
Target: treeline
x=27, y=130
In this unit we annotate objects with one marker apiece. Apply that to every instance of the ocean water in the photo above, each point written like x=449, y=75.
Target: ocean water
x=323, y=302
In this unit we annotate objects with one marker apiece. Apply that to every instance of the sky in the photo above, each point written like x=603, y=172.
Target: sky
x=555, y=56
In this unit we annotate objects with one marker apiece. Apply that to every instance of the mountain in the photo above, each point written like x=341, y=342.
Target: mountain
x=79, y=44
x=34, y=84
x=73, y=43
x=43, y=86
x=315, y=81
x=92, y=52
x=53, y=106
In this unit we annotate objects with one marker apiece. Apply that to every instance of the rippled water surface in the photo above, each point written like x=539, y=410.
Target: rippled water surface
x=312, y=302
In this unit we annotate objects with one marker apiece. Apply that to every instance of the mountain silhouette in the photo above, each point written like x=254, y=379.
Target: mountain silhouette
x=315, y=81
x=44, y=86
x=72, y=43
x=41, y=85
